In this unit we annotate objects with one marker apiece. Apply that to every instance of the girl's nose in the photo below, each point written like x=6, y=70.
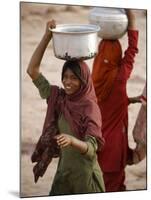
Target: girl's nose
x=68, y=81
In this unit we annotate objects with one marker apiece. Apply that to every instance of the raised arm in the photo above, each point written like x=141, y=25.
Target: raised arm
x=34, y=65
x=130, y=53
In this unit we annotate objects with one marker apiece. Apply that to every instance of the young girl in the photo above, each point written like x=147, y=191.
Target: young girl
x=110, y=75
x=72, y=128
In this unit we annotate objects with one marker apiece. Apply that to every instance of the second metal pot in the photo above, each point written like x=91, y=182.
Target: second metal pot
x=113, y=22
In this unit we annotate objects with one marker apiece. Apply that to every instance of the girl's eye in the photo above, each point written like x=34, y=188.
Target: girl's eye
x=65, y=77
x=74, y=78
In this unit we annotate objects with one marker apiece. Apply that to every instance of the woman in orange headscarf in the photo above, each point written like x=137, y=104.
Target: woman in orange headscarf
x=110, y=74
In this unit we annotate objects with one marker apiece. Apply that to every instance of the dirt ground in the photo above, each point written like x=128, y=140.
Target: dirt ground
x=33, y=20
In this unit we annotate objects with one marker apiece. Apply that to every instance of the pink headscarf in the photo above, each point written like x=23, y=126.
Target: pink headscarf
x=81, y=109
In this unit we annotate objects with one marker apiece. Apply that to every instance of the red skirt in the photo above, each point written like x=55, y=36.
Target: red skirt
x=114, y=181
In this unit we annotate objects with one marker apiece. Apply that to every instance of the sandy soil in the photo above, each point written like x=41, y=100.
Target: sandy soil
x=33, y=20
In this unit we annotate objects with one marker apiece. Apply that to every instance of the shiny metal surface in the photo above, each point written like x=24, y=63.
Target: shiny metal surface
x=113, y=22
x=75, y=41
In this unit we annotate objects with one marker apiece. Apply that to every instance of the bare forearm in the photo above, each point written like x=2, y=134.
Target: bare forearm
x=34, y=65
x=80, y=145
x=65, y=140
x=134, y=99
x=131, y=19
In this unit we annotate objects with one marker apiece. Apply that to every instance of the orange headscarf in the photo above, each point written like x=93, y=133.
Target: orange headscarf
x=105, y=67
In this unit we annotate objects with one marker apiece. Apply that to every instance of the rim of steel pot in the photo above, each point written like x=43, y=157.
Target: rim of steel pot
x=76, y=28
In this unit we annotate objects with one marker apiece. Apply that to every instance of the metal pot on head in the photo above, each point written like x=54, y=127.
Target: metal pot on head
x=113, y=22
x=75, y=41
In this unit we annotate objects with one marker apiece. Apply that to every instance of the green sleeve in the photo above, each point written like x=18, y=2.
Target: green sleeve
x=43, y=86
x=92, y=146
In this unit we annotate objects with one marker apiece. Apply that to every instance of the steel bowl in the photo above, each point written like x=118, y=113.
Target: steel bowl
x=75, y=41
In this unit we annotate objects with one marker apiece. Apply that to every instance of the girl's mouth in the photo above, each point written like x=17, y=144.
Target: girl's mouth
x=68, y=89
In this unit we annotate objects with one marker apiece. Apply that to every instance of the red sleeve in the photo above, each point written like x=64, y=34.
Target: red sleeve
x=129, y=54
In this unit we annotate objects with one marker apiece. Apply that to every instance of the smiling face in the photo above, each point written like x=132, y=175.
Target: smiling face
x=70, y=82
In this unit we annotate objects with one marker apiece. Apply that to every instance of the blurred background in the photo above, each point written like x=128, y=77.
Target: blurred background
x=33, y=18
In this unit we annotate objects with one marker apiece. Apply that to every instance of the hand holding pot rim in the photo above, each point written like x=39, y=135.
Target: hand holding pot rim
x=50, y=25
